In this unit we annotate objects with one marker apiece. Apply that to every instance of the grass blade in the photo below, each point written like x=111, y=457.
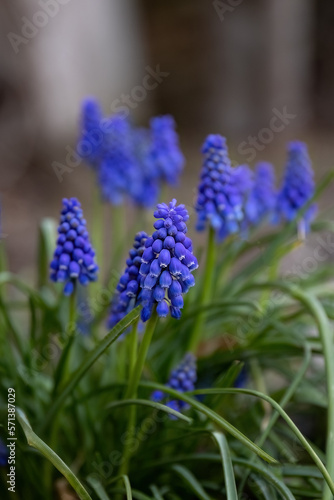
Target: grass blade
x=90, y=359
x=34, y=441
x=286, y=417
x=151, y=404
x=231, y=489
x=214, y=417
x=191, y=481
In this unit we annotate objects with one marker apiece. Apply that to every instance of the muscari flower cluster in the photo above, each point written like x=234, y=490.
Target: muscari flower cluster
x=128, y=289
x=167, y=263
x=165, y=154
x=182, y=379
x=118, y=173
x=222, y=189
x=261, y=201
x=130, y=162
x=74, y=256
x=298, y=185
x=90, y=144
x=147, y=187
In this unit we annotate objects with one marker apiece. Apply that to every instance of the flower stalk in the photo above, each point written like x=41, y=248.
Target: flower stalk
x=206, y=293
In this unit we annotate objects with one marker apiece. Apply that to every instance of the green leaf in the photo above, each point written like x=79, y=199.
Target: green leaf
x=258, y=467
x=285, y=416
x=98, y=488
x=191, y=481
x=88, y=362
x=46, y=242
x=231, y=489
x=34, y=441
x=127, y=485
x=138, y=495
x=156, y=493
x=151, y=404
x=316, y=310
x=214, y=417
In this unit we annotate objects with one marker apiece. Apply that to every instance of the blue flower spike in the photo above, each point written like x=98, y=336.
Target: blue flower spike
x=182, y=378
x=119, y=172
x=167, y=263
x=222, y=189
x=90, y=144
x=128, y=293
x=262, y=198
x=297, y=188
x=73, y=258
x=165, y=153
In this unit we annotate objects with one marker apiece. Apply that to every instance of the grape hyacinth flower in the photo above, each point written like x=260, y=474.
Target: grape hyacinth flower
x=262, y=198
x=222, y=189
x=240, y=186
x=167, y=263
x=165, y=154
x=90, y=144
x=73, y=258
x=119, y=172
x=298, y=186
x=147, y=186
x=182, y=379
x=128, y=293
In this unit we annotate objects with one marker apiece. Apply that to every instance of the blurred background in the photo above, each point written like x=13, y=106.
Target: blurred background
x=260, y=72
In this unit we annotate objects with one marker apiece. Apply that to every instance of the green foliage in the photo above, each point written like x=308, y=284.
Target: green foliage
x=83, y=395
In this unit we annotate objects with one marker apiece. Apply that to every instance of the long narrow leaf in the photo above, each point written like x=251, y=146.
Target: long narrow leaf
x=285, y=416
x=151, y=404
x=214, y=417
x=91, y=358
x=191, y=481
x=231, y=489
x=202, y=457
x=36, y=442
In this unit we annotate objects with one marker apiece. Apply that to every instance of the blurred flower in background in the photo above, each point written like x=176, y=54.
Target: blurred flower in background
x=222, y=189
x=298, y=186
x=183, y=378
x=261, y=201
x=130, y=162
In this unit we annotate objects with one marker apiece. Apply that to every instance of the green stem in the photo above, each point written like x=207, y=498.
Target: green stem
x=132, y=339
x=70, y=331
x=131, y=392
x=206, y=290
x=143, y=349
x=97, y=230
x=118, y=236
